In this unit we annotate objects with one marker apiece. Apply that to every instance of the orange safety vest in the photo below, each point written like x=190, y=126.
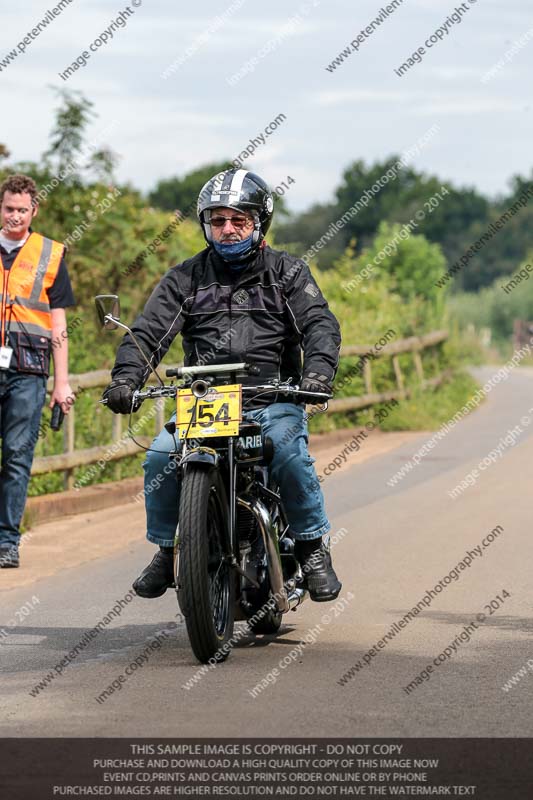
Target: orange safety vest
x=25, y=308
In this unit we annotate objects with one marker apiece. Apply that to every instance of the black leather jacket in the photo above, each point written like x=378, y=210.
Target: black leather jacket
x=265, y=314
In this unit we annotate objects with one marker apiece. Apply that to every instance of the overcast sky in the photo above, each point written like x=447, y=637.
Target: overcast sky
x=167, y=126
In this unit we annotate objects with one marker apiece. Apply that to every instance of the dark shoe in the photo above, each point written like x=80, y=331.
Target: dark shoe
x=158, y=575
x=319, y=575
x=9, y=556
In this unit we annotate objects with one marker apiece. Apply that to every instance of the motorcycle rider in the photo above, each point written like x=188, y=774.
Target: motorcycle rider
x=239, y=300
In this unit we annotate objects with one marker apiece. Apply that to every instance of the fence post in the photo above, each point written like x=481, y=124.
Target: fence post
x=418, y=365
x=367, y=376
x=399, y=376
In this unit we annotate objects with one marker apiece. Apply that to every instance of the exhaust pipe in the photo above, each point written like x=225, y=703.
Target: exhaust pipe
x=296, y=598
x=275, y=573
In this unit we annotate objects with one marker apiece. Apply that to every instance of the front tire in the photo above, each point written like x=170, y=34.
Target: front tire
x=205, y=579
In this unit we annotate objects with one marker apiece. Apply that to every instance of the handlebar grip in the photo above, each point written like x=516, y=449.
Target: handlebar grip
x=179, y=372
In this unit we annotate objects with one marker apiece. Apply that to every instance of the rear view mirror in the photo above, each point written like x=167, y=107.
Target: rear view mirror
x=108, y=310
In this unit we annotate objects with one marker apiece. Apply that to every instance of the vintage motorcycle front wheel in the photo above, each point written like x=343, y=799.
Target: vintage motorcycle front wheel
x=206, y=582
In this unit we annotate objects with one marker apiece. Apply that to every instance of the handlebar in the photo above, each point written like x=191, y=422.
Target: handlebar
x=281, y=388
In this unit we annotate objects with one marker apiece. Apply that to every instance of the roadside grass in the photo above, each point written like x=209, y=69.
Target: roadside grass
x=428, y=410
x=423, y=411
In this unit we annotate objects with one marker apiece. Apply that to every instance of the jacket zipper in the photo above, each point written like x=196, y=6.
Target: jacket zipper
x=230, y=332
x=4, y=303
x=7, y=272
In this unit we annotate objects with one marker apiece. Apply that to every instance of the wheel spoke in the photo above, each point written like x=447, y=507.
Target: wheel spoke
x=218, y=570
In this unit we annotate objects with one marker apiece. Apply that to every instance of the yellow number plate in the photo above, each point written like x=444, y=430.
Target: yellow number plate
x=216, y=414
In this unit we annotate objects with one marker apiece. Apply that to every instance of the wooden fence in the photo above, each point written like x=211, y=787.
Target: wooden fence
x=122, y=446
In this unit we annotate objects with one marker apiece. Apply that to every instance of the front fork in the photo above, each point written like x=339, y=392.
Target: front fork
x=208, y=458
x=232, y=496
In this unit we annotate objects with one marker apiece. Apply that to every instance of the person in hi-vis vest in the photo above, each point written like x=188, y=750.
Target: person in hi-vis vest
x=34, y=292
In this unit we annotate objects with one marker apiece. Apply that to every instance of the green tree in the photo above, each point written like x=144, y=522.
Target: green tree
x=406, y=193
x=178, y=194
x=299, y=232
x=65, y=154
x=408, y=188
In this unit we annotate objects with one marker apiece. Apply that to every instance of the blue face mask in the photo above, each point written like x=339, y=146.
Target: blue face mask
x=235, y=252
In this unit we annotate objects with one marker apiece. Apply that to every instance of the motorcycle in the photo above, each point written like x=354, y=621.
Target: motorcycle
x=234, y=555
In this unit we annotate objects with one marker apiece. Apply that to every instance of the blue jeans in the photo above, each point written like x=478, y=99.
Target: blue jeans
x=291, y=468
x=21, y=402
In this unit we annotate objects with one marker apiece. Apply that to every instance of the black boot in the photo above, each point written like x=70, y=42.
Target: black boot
x=9, y=556
x=158, y=575
x=319, y=575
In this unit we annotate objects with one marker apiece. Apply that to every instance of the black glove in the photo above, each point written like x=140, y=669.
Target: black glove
x=313, y=382
x=119, y=396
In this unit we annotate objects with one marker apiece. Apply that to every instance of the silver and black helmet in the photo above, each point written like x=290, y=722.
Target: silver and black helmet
x=242, y=190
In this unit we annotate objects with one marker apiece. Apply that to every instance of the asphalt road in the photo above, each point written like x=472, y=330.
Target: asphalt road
x=397, y=543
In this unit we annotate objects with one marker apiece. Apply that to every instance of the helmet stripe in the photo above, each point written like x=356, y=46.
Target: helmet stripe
x=218, y=183
x=229, y=191
x=238, y=178
x=226, y=183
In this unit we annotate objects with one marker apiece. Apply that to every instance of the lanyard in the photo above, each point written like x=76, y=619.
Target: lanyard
x=4, y=303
